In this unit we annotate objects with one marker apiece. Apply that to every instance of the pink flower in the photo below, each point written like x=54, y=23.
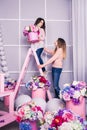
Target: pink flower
x=30, y=28
x=33, y=28
x=68, y=116
x=82, y=83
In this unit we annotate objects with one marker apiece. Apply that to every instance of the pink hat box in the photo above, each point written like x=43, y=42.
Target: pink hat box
x=34, y=125
x=40, y=92
x=33, y=37
x=79, y=109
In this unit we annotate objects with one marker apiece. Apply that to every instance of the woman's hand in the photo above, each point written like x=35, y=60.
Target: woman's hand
x=40, y=66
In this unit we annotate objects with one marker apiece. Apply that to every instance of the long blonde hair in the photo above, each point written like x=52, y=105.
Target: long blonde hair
x=61, y=44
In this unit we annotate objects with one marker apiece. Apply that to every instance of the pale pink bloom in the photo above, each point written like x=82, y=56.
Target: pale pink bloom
x=69, y=116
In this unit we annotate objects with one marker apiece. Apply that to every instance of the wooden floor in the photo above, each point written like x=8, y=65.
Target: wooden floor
x=11, y=126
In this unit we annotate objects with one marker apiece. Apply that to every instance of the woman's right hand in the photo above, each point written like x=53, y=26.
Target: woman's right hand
x=40, y=66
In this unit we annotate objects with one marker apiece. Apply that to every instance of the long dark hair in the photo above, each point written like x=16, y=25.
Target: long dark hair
x=61, y=44
x=38, y=21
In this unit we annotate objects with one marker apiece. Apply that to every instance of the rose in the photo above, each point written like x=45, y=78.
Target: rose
x=57, y=121
x=42, y=79
x=68, y=116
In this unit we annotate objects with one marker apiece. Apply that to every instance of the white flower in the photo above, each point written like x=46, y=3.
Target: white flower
x=44, y=127
x=41, y=85
x=77, y=94
x=83, y=91
x=75, y=83
x=77, y=125
x=27, y=28
x=65, y=85
x=49, y=117
x=66, y=126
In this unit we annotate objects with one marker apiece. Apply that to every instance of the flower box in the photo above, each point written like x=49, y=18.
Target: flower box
x=6, y=98
x=74, y=95
x=33, y=37
x=79, y=109
x=32, y=33
x=39, y=86
x=40, y=92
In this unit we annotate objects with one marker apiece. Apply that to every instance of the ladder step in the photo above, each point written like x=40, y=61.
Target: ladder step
x=6, y=119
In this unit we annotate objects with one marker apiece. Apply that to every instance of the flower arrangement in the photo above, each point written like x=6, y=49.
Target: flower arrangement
x=38, y=82
x=74, y=91
x=10, y=84
x=30, y=112
x=30, y=28
x=64, y=120
x=32, y=33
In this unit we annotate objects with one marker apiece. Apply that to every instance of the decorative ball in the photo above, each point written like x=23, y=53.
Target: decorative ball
x=54, y=104
x=1, y=48
x=4, y=69
x=1, y=43
x=2, y=53
x=40, y=102
x=22, y=99
x=3, y=57
x=3, y=63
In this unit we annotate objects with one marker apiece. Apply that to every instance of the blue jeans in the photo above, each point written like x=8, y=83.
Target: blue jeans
x=56, y=76
x=39, y=52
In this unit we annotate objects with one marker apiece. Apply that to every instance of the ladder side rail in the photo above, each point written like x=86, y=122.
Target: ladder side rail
x=22, y=74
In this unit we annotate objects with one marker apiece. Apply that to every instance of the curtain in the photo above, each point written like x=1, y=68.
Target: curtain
x=79, y=39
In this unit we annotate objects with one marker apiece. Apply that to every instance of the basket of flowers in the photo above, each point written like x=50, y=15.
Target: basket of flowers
x=39, y=85
x=32, y=33
x=73, y=94
x=27, y=115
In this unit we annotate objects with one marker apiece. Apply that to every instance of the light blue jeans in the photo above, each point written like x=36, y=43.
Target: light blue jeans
x=56, y=72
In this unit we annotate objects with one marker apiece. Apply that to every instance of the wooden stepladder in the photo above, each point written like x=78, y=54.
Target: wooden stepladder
x=25, y=66
x=8, y=117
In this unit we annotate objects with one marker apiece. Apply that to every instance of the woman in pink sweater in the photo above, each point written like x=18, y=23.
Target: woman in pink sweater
x=58, y=55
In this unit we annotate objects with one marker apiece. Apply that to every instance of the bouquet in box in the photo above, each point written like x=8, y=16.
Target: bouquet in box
x=38, y=82
x=64, y=120
x=74, y=91
x=32, y=33
x=29, y=111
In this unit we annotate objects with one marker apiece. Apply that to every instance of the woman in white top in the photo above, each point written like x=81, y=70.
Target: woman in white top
x=39, y=46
